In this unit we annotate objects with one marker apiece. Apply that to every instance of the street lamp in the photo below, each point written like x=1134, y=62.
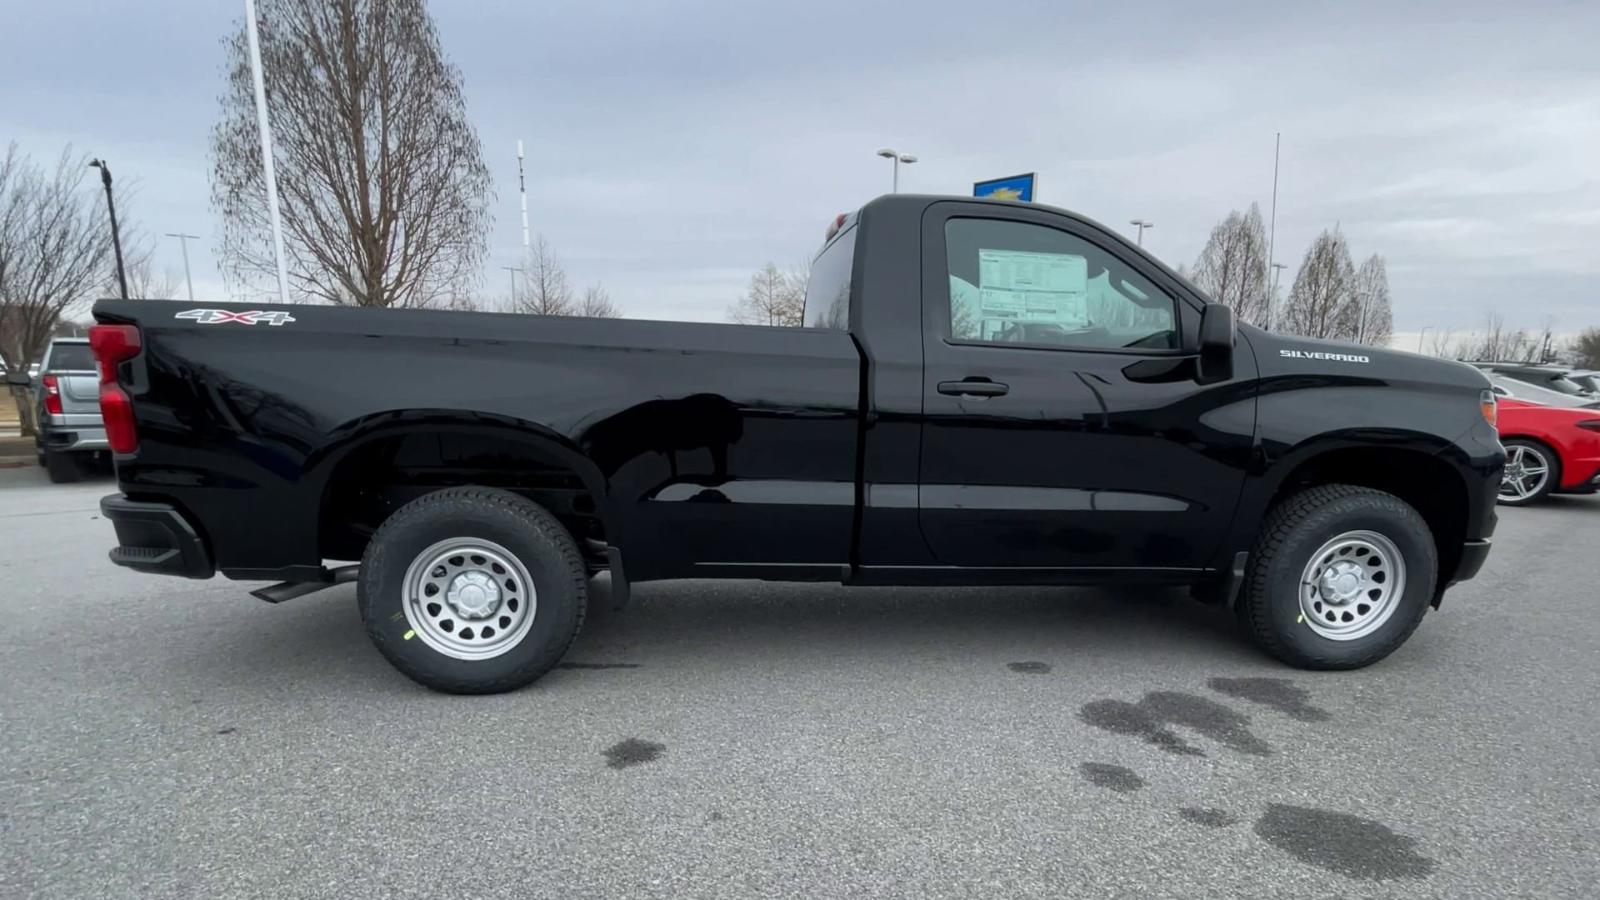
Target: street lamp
x=1272, y=302
x=1141, y=224
x=183, y=241
x=1420, y=335
x=897, y=158
x=116, y=236
x=513, y=270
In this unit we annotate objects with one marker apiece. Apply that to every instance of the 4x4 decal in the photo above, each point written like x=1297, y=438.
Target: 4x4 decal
x=246, y=317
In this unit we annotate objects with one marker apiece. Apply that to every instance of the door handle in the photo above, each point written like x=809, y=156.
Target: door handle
x=974, y=387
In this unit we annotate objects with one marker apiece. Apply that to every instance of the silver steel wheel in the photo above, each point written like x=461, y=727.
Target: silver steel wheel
x=469, y=598
x=1352, y=585
x=1525, y=473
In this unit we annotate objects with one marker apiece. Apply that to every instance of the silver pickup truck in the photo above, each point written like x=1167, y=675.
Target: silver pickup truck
x=66, y=408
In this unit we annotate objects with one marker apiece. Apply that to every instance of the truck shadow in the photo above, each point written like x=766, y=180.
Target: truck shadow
x=677, y=622
x=318, y=643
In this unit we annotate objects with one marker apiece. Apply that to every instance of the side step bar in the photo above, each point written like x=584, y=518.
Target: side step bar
x=289, y=590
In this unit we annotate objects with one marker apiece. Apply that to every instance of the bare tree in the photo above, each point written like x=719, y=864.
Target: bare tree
x=1497, y=342
x=1586, y=348
x=1232, y=267
x=1322, y=302
x=1374, y=317
x=771, y=299
x=544, y=290
x=1544, y=343
x=55, y=249
x=145, y=284
x=597, y=304
x=1442, y=343
x=384, y=190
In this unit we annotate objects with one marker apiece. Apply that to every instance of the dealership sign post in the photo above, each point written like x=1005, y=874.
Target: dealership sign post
x=1016, y=187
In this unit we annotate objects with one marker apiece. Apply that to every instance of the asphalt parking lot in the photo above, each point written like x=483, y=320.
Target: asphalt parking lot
x=165, y=738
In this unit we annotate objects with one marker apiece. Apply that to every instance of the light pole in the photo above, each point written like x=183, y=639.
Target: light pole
x=513, y=270
x=1272, y=233
x=111, y=209
x=1420, y=335
x=1141, y=224
x=897, y=158
x=183, y=241
x=264, y=128
x=1272, y=301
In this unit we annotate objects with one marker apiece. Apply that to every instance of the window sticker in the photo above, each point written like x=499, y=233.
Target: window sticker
x=1022, y=286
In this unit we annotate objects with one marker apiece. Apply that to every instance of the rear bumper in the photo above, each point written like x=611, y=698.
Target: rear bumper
x=69, y=439
x=156, y=538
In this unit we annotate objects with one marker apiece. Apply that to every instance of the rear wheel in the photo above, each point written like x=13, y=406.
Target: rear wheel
x=62, y=467
x=1339, y=578
x=472, y=590
x=1532, y=471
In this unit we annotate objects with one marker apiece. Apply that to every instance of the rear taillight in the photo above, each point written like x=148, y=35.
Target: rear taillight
x=1490, y=407
x=113, y=345
x=52, y=394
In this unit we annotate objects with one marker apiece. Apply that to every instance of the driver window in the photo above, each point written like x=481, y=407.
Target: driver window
x=1013, y=282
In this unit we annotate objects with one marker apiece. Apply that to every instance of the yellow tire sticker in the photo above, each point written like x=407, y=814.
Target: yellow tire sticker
x=412, y=633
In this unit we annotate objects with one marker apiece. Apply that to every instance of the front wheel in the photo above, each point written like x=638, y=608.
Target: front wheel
x=472, y=590
x=1340, y=577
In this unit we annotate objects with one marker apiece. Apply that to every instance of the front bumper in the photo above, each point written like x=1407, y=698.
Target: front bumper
x=156, y=538
x=1473, y=553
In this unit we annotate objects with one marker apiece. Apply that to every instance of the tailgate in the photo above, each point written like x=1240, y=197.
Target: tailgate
x=80, y=393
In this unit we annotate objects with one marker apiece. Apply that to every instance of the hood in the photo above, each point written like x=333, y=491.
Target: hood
x=1287, y=355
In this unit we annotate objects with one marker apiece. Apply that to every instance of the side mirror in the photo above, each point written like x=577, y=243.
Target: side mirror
x=18, y=379
x=1217, y=332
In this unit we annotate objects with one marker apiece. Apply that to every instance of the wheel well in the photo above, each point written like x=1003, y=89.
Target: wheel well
x=374, y=479
x=1428, y=484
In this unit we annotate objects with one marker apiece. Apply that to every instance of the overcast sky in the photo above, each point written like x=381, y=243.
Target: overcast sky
x=673, y=147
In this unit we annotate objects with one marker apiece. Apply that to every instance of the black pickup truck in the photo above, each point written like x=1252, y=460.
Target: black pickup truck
x=982, y=393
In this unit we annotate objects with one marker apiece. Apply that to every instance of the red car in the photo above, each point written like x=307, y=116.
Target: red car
x=1549, y=450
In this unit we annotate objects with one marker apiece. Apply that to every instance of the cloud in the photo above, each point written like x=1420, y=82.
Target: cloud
x=673, y=147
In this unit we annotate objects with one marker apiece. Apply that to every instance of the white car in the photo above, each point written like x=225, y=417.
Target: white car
x=1521, y=390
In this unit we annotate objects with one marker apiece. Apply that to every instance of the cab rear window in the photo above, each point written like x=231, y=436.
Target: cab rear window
x=69, y=358
x=828, y=289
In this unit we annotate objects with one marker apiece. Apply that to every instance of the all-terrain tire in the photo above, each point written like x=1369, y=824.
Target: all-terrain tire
x=62, y=468
x=1270, y=605
x=534, y=539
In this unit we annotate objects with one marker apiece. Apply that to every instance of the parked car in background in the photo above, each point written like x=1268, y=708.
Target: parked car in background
x=66, y=406
x=1550, y=378
x=1588, y=379
x=1505, y=387
x=1549, y=450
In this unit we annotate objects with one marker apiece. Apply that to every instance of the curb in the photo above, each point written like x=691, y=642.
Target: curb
x=17, y=462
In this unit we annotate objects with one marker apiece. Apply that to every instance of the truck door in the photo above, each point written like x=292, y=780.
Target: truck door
x=1063, y=425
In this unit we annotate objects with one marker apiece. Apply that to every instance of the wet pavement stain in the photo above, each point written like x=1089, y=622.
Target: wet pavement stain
x=589, y=665
x=1342, y=843
x=1278, y=693
x=1151, y=717
x=1211, y=818
x=1029, y=667
x=633, y=752
x=1118, y=778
